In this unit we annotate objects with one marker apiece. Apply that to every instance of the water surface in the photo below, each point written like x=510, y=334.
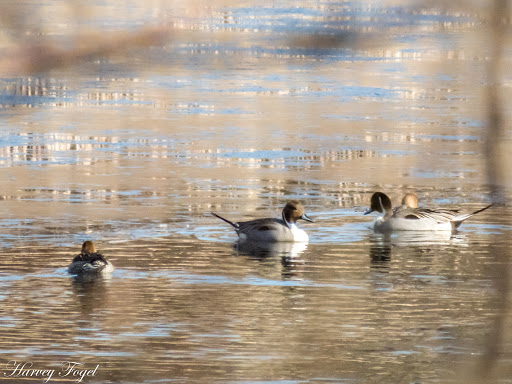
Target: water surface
x=237, y=115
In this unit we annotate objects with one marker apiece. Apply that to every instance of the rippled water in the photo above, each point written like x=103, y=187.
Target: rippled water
x=238, y=114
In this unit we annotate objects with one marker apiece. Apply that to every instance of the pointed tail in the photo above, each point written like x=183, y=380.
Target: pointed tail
x=483, y=209
x=226, y=220
x=459, y=219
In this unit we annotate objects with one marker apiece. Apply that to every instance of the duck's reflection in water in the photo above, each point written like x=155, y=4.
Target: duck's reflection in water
x=91, y=290
x=381, y=244
x=288, y=252
x=380, y=250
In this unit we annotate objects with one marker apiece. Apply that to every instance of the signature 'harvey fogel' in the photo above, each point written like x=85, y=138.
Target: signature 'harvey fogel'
x=68, y=369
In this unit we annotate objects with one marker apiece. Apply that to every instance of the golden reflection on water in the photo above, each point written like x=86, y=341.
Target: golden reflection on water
x=238, y=111
x=331, y=313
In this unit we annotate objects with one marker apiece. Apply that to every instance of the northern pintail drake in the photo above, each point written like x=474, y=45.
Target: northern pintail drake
x=89, y=261
x=273, y=230
x=415, y=219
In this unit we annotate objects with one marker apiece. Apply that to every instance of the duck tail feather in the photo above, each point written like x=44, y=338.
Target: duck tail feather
x=226, y=220
x=459, y=219
x=483, y=209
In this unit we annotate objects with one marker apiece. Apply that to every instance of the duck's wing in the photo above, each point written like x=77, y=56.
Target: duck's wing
x=98, y=257
x=439, y=215
x=259, y=225
x=90, y=258
x=397, y=210
x=453, y=216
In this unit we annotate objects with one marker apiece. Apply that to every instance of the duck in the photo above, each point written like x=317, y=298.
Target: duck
x=410, y=200
x=89, y=261
x=272, y=230
x=411, y=218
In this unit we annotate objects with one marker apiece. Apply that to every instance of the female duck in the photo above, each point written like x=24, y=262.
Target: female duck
x=273, y=230
x=89, y=261
x=410, y=200
x=410, y=218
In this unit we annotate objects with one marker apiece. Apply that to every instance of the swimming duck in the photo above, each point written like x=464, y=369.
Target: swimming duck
x=89, y=261
x=415, y=219
x=274, y=230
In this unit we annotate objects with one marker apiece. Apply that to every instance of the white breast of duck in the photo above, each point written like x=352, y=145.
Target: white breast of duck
x=276, y=230
x=298, y=234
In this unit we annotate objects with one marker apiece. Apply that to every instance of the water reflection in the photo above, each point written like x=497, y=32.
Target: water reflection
x=47, y=91
x=30, y=92
x=91, y=291
x=64, y=148
x=288, y=252
x=280, y=249
x=406, y=238
x=52, y=148
x=380, y=251
x=247, y=108
x=179, y=301
x=415, y=242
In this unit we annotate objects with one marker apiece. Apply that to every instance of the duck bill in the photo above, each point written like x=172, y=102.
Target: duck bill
x=368, y=211
x=305, y=217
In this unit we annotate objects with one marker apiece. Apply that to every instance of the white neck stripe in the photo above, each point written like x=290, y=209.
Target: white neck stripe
x=286, y=222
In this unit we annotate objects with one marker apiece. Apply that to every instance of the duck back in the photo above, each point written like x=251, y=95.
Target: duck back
x=90, y=263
